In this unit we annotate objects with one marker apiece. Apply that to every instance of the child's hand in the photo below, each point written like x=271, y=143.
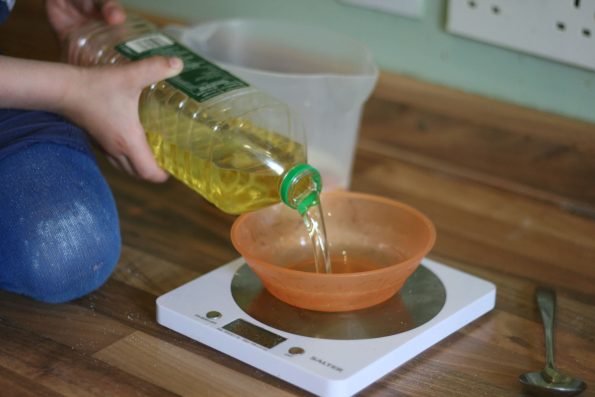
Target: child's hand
x=104, y=101
x=66, y=15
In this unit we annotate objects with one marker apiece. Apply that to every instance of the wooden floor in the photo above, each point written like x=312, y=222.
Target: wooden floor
x=511, y=191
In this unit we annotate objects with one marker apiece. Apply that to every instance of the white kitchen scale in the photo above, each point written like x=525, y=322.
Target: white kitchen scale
x=328, y=354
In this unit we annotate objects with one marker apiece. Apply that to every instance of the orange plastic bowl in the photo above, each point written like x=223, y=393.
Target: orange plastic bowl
x=375, y=244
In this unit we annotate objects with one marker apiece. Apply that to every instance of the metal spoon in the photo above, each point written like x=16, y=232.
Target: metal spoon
x=550, y=382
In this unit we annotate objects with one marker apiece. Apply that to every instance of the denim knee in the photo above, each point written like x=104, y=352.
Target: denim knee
x=58, y=222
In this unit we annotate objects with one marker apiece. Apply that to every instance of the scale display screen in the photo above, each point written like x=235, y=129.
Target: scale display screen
x=254, y=333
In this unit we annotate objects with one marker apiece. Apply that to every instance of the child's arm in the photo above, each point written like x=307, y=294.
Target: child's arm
x=102, y=100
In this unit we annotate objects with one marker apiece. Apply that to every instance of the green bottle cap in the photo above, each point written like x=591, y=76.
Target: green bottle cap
x=301, y=201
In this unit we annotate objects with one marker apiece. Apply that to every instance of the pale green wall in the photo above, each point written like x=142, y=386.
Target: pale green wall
x=419, y=48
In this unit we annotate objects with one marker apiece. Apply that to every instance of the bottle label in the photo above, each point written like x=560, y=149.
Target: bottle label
x=200, y=79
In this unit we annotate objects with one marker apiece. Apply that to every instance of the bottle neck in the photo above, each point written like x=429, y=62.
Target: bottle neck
x=300, y=187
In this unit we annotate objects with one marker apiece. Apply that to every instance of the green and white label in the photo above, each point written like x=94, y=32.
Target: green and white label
x=200, y=79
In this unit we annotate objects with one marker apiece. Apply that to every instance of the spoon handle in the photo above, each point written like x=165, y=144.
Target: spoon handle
x=546, y=300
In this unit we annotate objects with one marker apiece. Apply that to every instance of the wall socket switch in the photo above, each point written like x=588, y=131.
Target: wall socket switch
x=562, y=30
x=407, y=8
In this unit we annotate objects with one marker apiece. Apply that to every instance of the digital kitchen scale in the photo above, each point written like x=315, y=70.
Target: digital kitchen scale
x=328, y=354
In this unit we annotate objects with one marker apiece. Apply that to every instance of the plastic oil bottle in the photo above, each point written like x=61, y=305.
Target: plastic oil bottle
x=238, y=147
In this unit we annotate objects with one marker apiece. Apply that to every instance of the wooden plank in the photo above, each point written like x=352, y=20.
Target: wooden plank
x=519, y=162
x=484, y=358
x=428, y=375
x=78, y=326
x=509, y=334
x=64, y=371
x=149, y=273
x=13, y=384
x=27, y=33
x=516, y=296
x=180, y=371
x=484, y=111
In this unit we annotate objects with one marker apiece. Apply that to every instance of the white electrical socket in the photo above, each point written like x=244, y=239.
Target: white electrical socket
x=407, y=8
x=562, y=30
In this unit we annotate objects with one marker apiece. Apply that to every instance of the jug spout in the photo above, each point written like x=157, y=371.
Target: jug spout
x=348, y=93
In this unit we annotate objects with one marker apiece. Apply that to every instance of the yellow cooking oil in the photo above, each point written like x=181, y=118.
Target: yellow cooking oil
x=232, y=163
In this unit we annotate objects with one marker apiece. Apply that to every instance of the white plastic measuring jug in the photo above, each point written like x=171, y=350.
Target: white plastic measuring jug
x=325, y=77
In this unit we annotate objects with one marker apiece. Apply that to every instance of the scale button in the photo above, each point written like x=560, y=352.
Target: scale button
x=213, y=314
x=296, y=350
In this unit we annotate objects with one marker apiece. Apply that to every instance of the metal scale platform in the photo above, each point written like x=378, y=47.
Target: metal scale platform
x=328, y=354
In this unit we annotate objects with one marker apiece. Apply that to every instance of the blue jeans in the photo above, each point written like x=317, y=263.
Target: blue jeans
x=59, y=229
